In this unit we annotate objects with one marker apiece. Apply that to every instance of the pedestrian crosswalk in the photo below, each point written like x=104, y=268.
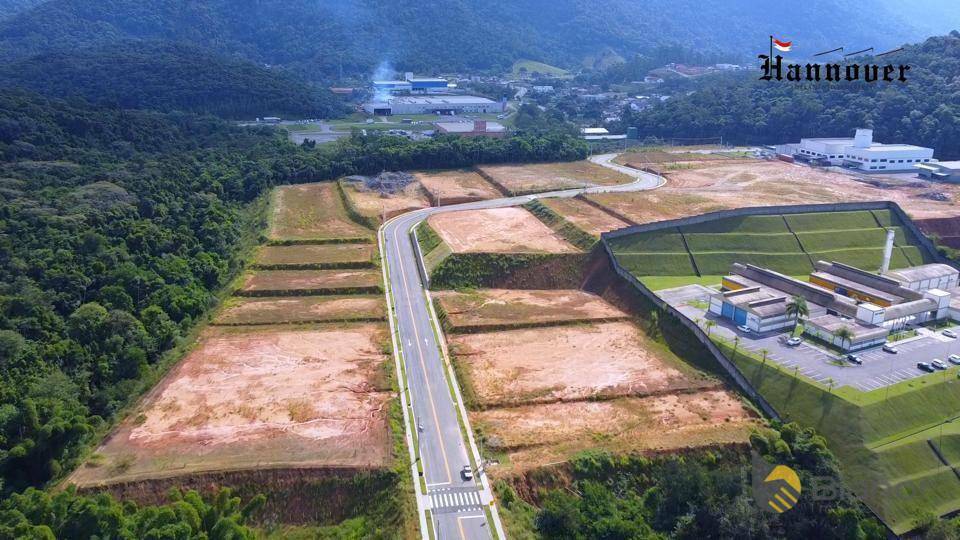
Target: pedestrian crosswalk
x=455, y=499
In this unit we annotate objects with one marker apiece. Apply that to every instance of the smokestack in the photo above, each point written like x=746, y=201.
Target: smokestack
x=887, y=252
x=863, y=138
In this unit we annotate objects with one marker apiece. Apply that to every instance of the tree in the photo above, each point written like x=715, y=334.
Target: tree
x=844, y=334
x=797, y=308
x=764, y=352
x=710, y=325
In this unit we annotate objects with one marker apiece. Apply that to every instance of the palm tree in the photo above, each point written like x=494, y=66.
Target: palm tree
x=764, y=352
x=843, y=334
x=709, y=326
x=830, y=383
x=736, y=343
x=797, y=308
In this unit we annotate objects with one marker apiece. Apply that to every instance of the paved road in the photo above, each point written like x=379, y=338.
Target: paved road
x=456, y=504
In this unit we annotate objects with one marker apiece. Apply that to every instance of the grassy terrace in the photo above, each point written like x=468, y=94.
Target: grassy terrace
x=884, y=439
x=789, y=244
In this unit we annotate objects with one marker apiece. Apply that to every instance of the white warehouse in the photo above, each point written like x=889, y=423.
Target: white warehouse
x=861, y=153
x=434, y=105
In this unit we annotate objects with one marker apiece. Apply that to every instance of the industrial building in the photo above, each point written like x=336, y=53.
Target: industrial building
x=434, y=105
x=477, y=128
x=411, y=84
x=944, y=171
x=861, y=153
x=868, y=305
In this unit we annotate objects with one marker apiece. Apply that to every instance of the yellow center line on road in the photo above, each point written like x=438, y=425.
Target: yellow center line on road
x=423, y=366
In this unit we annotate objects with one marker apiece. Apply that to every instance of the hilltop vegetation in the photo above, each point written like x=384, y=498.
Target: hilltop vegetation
x=318, y=39
x=925, y=111
x=168, y=77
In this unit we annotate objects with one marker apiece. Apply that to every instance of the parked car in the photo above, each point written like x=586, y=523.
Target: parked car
x=950, y=334
x=954, y=359
x=854, y=359
x=744, y=328
x=938, y=363
x=794, y=341
x=923, y=366
x=890, y=349
x=467, y=473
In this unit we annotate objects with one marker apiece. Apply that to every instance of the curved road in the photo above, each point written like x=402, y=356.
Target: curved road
x=456, y=504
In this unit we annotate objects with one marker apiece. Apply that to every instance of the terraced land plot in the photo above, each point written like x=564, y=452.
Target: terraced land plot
x=372, y=203
x=567, y=363
x=715, y=185
x=315, y=256
x=788, y=243
x=456, y=186
x=312, y=212
x=539, y=177
x=491, y=309
x=243, y=398
x=537, y=435
x=497, y=230
x=310, y=282
x=301, y=309
x=587, y=218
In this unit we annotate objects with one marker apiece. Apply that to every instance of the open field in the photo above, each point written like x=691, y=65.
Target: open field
x=489, y=309
x=530, y=67
x=456, y=186
x=587, y=218
x=854, y=238
x=536, y=435
x=301, y=309
x=316, y=255
x=373, y=204
x=307, y=212
x=306, y=282
x=718, y=185
x=566, y=363
x=305, y=397
x=538, y=177
x=497, y=230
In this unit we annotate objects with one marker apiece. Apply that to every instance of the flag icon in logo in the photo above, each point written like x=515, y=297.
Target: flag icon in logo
x=781, y=45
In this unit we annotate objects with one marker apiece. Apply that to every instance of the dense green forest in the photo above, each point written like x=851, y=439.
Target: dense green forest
x=319, y=39
x=117, y=229
x=168, y=77
x=745, y=110
x=696, y=497
x=40, y=515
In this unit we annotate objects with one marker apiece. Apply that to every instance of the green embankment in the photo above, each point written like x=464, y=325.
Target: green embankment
x=880, y=437
x=567, y=230
x=854, y=238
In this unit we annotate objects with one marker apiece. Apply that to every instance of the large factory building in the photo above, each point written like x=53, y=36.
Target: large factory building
x=433, y=105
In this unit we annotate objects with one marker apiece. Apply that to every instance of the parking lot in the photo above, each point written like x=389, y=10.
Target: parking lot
x=879, y=368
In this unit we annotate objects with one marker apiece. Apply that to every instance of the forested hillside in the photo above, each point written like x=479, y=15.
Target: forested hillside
x=744, y=110
x=318, y=39
x=168, y=77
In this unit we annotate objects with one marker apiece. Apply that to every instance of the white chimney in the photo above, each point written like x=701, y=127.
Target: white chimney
x=863, y=138
x=408, y=76
x=887, y=248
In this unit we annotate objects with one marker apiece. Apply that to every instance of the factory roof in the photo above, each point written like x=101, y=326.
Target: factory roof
x=922, y=272
x=469, y=127
x=594, y=131
x=393, y=82
x=857, y=286
x=947, y=164
x=832, y=323
x=880, y=147
x=441, y=100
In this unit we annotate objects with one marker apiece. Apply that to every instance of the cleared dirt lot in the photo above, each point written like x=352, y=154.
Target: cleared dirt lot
x=497, y=230
x=300, y=309
x=317, y=254
x=305, y=397
x=506, y=307
x=283, y=282
x=587, y=218
x=377, y=205
x=717, y=185
x=567, y=363
x=536, y=435
x=311, y=212
x=536, y=177
x=456, y=186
